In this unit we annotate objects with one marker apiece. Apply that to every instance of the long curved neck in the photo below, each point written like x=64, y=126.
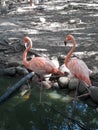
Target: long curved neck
x=70, y=52
x=26, y=63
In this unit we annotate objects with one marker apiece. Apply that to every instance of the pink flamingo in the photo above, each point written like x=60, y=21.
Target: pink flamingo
x=40, y=65
x=76, y=66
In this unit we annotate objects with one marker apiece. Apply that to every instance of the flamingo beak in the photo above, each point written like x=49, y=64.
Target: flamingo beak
x=65, y=43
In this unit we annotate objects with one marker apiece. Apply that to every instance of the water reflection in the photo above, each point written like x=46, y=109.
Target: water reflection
x=53, y=114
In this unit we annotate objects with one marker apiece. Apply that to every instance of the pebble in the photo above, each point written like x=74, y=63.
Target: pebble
x=74, y=21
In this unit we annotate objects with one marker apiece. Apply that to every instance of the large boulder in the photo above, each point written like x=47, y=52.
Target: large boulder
x=94, y=93
x=73, y=83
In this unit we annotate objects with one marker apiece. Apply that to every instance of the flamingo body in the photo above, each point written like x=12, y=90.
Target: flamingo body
x=79, y=69
x=42, y=66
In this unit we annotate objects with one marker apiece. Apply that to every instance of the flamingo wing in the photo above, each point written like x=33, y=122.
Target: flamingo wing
x=79, y=69
x=41, y=65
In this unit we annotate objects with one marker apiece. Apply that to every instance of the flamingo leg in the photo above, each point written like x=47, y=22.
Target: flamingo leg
x=76, y=92
x=39, y=81
x=86, y=94
x=41, y=88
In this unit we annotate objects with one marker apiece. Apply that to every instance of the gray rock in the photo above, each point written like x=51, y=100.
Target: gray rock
x=63, y=81
x=82, y=89
x=46, y=84
x=21, y=70
x=55, y=85
x=73, y=83
x=10, y=71
x=94, y=93
x=63, y=68
x=90, y=102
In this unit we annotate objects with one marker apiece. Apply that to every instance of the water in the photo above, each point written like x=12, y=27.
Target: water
x=26, y=113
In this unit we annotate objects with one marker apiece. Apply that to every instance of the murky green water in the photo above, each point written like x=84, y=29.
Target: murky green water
x=22, y=113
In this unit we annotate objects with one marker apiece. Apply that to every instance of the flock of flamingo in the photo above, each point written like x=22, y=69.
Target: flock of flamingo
x=42, y=66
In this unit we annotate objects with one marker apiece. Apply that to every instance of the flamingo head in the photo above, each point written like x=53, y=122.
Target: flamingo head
x=26, y=40
x=68, y=38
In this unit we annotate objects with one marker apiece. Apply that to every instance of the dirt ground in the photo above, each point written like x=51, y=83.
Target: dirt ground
x=47, y=25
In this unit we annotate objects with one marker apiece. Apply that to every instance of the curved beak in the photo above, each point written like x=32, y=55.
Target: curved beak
x=65, y=42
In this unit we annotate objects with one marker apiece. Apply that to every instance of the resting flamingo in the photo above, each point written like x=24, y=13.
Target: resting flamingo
x=40, y=65
x=76, y=66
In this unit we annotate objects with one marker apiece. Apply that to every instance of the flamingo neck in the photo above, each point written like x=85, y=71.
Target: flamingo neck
x=26, y=63
x=70, y=52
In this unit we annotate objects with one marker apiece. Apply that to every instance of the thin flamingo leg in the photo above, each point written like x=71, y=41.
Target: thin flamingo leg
x=76, y=92
x=41, y=88
x=39, y=81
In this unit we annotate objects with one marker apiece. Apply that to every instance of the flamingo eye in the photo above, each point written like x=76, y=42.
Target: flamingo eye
x=69, y=37
x=25, y=40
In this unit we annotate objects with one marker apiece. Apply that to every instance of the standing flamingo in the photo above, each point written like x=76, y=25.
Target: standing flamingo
x=40, y=65
x=76, y=66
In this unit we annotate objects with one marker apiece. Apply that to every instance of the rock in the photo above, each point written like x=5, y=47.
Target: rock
x=38, y=1
x=94, y=93
x=21, y=70
x=55, y=85
x=47, y=77
x=24, y=89
x=73, y=83
x=74, y=21
x=91, y=103
x=13, y=64
x=82, y=87
x=94, y=73
x=63, y=81
x=54, y=59
x=42, y=20
x=65, y=70
x=3, y=7
x=46, y=84
x=61, y=58
x=72, y=93
x=10, y=71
